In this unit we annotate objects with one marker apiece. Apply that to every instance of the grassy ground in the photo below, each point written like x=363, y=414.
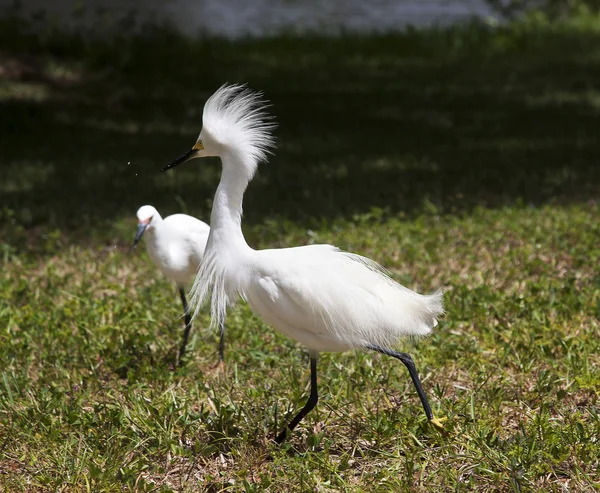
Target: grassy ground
x=466, y=159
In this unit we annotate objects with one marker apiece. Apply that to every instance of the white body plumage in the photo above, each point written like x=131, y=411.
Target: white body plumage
x=330, y=300
x=175, y=244
x=324, y=298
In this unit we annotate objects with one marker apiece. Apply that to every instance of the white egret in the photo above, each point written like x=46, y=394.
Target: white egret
x=324, y=298
x=176, y=246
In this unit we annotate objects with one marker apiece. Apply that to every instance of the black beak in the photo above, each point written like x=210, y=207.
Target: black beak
x=180, y=160
x=140, y=232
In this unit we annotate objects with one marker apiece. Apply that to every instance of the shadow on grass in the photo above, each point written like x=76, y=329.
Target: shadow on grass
x=434, y=119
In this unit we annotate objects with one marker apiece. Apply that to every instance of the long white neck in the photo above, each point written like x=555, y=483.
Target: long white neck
x=226, y=216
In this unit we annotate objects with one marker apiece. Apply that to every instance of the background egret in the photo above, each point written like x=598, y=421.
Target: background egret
x=324, y=298
x=176, y=246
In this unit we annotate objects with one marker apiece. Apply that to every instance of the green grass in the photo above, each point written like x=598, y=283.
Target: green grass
x=465, y=158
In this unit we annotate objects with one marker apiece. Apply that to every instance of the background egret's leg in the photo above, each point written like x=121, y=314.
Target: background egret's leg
x=222, y=343
x=412, y=369
x=310, y=403
x=188, y=324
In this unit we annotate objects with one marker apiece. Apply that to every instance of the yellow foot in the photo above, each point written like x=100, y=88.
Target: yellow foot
x=439, y=422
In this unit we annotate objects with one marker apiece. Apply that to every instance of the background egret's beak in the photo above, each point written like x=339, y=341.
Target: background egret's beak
x=180, y=160
x=140, y=231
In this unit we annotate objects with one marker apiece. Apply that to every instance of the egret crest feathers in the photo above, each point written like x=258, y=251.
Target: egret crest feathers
x=236, y=118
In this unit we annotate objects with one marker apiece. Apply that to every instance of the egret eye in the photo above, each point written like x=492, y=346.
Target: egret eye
x=198, y=146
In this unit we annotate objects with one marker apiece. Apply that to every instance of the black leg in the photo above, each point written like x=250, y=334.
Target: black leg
x=222, y=342
x=310, y=403
x=412, y=369
x=188, y=324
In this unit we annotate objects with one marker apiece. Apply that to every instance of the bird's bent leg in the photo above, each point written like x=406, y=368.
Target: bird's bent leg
x=412, y=369
x=310, y=403
x=188, y=324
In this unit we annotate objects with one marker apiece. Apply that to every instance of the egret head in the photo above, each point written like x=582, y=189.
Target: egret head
x=145, y=215
x=234, y=120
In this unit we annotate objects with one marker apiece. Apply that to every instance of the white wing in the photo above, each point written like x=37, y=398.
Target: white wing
x=332, y=300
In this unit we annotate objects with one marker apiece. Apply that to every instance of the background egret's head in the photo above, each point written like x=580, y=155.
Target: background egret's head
x=145, y=215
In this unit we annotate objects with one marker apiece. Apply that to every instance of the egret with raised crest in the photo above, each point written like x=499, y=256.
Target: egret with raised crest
x=319, y=295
